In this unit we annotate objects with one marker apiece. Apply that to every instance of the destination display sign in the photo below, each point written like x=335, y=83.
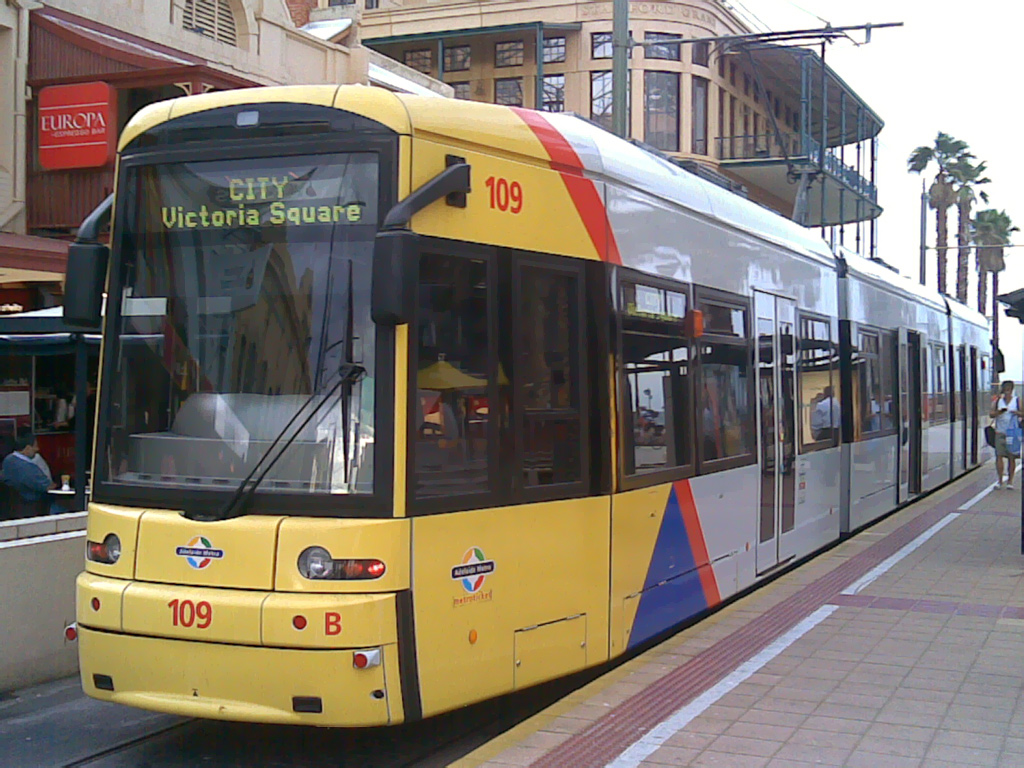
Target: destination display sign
x=282, y=192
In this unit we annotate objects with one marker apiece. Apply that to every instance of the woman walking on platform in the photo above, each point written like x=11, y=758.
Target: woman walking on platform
x=1006, y=412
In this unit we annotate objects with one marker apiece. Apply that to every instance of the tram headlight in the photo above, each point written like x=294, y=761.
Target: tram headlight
x=107, y=551
x=316, y=563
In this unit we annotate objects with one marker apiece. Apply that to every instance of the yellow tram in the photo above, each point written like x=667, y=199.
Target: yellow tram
x=406, y=403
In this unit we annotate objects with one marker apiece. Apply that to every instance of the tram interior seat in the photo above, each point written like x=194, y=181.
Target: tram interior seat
x=217, y=437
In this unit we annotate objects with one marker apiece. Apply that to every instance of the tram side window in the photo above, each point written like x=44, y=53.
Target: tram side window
x=548, y=377
x=655, y=377
x=452, y=450
x=725, y=403
x=873, y=407
x=939, y=381
x=820, y=414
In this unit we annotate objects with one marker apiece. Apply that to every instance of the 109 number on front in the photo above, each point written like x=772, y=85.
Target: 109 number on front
x=505, y=195
x=185, y=613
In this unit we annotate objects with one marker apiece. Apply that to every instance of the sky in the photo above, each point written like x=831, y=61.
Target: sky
x=952, y=67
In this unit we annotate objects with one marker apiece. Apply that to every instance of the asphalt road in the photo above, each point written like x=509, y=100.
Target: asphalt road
x=55, y=725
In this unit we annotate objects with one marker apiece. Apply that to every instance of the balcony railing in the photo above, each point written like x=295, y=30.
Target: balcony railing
x=768, y=146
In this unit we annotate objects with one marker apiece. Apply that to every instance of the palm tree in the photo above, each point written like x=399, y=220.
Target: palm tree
x=968, y=177
x=991, y=230
x=941, y=195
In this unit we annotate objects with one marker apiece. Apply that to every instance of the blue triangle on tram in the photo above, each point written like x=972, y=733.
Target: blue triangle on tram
x=681, y=595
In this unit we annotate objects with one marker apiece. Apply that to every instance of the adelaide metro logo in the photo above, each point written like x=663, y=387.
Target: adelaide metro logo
x=200, y=552
x=474, y=570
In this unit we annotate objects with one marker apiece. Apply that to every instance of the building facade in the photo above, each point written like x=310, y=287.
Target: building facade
x=81, y=68
x=773, y=121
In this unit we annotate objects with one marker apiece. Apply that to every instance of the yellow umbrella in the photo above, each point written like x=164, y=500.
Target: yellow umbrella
x=442, y=375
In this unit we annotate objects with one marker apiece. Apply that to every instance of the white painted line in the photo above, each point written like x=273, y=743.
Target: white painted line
x=890, y=561
x=30, y=540
x=977, y=498
x=649, y=743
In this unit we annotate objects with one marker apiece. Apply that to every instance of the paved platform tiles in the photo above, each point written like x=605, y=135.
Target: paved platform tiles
x=903, y=646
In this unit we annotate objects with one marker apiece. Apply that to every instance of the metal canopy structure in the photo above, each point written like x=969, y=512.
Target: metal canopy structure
x=539, y=28
x=796, y=73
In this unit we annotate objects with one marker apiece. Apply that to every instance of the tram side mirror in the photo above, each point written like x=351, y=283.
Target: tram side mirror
x=396, y=256
x=84, y=283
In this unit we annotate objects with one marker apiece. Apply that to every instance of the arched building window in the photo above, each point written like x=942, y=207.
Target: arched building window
x=211, y=18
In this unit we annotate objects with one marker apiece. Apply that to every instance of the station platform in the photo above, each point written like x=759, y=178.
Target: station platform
x=901, y=647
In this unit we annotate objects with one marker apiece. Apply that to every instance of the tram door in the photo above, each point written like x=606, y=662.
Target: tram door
x=776, y=413
x=910, y=415
x=960, y=393
x=973, y=406
x=914, y=411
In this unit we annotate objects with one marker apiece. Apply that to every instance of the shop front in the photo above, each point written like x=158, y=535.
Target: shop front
x=48, y=378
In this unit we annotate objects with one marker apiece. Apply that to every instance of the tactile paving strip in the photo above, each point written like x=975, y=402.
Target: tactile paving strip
x=608, y=736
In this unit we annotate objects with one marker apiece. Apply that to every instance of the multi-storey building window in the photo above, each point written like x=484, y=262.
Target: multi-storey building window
x=661, y=110
x=601, y=98
x=508, y=54
x=665, y=48
x=372, y=4
x=601, y=45
x=732, y=74
x=700, y=116
x=420, y=60
x=746, y=84
x=456, y=58
x=461, y=90
x=554, y=93
x=509, y=91
x=554, y=50
x=701, y=53
x=721, y=65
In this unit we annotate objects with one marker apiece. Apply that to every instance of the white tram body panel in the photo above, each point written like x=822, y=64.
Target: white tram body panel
x=671, y=224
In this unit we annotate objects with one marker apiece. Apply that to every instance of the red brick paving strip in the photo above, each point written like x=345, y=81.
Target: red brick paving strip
x=608, y=736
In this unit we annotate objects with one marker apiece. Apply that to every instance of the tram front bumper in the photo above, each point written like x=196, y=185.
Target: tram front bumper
x=234, y=682
x=240, y=655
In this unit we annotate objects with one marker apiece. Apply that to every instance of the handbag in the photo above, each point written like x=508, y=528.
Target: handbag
x=990, y=436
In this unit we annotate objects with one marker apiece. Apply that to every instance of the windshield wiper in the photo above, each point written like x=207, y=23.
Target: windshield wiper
x=348, y=375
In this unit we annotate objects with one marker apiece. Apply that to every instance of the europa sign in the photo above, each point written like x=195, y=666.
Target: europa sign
x=77, y=125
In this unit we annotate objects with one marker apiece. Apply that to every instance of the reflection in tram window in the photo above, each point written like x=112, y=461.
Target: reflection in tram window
x=453, y=342
x=655, y=358
x=820, y=415
x=657, y=380
x=726, y=413
x=873, y=401
x=939, y=411
x=549, y=372
x=722, y=319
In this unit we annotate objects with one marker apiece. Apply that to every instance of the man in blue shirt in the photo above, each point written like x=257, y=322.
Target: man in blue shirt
x=24, y=475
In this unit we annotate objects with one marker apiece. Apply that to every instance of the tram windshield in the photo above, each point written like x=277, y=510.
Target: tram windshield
x=244, y=317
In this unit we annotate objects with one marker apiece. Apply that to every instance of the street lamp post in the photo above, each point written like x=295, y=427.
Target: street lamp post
x=620, y=68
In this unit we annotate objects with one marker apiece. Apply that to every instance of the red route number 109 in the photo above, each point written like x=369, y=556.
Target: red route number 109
x=505, y=195
x=185, y=613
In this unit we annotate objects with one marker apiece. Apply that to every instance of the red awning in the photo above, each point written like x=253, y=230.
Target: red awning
x=34, y=254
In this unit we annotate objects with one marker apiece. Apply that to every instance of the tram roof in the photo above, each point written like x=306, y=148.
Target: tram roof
x=603, y=155
x=882, y=275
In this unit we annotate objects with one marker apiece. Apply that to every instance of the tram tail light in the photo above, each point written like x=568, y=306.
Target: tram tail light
x=107, y=551
x=316, y=563
x=71, y=632
x=366, y=659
